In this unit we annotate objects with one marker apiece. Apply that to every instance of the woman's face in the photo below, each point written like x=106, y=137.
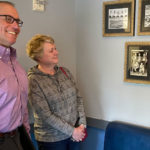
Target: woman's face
x=50, y=54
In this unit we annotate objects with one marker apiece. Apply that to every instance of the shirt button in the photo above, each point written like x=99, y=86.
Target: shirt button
x=8, y=49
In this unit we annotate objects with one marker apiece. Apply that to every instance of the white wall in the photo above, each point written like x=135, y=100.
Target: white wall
x=99, y=61
x=57, y=21
x=100, y=70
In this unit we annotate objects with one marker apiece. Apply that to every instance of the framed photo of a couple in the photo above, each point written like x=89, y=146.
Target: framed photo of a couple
x=137, y=62
x=118, y=18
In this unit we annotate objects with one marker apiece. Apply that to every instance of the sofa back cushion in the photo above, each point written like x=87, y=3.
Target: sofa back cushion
x=123, y=136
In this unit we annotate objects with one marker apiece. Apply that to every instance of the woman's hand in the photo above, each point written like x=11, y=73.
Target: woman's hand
x=78, y=133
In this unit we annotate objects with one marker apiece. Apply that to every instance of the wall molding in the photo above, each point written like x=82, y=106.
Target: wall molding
x=97, y=123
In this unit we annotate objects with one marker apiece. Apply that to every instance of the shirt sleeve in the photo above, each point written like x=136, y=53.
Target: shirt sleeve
x=42, y=109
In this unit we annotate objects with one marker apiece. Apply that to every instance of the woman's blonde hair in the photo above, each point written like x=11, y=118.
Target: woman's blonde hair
x=34, y=47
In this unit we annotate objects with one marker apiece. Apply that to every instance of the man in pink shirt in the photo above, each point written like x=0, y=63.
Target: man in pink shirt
x=13, y=81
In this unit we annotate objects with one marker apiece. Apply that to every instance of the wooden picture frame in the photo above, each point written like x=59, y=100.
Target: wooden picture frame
x=118, y=18
x=137, y=62
x=144, y=17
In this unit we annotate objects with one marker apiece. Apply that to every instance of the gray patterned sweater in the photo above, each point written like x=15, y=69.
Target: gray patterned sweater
x=56, y=104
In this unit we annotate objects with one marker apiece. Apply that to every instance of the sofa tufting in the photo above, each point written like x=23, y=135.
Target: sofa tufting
x=124, y=136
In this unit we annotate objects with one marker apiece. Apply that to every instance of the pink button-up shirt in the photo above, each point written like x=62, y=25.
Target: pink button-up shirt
x=13, y=92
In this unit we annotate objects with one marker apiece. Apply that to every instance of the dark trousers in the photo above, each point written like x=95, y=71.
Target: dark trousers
x=67, y=144
x=11, y=143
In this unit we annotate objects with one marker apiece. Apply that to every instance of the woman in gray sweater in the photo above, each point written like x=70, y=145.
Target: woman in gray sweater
x=59, y=118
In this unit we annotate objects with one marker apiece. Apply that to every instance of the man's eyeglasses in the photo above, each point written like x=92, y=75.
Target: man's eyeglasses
x=9, y=19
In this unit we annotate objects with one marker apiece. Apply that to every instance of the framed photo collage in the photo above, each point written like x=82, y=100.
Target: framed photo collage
x=119, y=20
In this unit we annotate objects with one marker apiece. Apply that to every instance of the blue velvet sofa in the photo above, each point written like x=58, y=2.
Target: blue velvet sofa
x=123, y=136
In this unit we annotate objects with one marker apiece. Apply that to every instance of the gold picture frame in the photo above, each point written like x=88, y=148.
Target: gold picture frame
x=144, y=17
x=118, y=18
x=137, y=62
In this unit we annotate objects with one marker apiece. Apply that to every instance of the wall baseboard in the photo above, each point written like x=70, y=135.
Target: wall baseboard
x=97, y=123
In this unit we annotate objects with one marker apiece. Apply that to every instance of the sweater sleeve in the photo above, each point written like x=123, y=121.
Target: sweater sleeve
x=80, y=104
x=42, y=109
x=82, y=118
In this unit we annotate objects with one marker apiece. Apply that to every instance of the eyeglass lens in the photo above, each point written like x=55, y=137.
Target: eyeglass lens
x=10, y=20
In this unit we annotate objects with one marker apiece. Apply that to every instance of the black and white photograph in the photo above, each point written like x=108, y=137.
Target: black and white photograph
x=137, y=62
x=147, y=16
x=118, y=18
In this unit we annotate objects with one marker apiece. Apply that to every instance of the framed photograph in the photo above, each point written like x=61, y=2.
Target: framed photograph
x=144, y=17
x=118, y=18
x=137, y=62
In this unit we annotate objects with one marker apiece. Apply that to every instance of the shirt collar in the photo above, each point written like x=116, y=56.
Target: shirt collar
x=6, y=53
